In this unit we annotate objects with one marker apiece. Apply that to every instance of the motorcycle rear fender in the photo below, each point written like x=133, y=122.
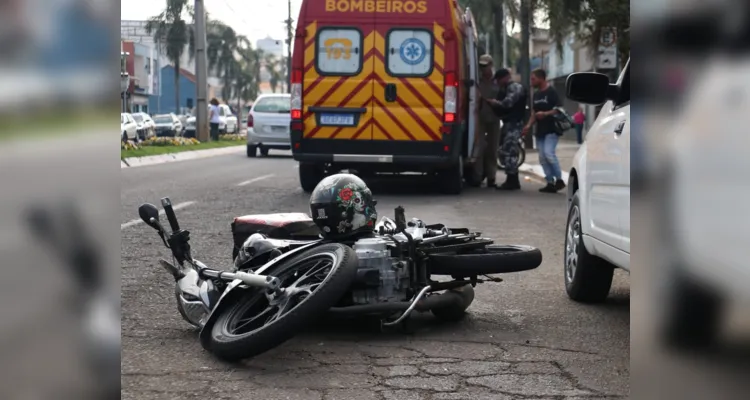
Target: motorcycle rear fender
x=230, y=294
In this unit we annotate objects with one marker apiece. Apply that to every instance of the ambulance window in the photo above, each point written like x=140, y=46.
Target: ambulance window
x=409, y=52
x=339, y=52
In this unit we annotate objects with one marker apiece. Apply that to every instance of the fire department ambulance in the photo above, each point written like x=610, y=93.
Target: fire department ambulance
x=384, y=86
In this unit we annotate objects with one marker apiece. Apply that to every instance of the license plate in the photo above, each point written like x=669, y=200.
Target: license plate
x=279, y=129
x=337, y=119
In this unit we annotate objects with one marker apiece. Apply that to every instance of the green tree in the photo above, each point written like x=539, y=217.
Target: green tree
x=489, y=16
x=246, y=83
x=272, y=65
x=586, y=19
x=223, y=46
x=171, y=31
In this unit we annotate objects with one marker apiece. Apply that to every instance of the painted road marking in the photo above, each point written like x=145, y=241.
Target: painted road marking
x=161, y=212
x=260, y=178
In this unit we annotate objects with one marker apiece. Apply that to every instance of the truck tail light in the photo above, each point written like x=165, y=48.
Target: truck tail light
x=450, y=98
x=296, y=94
x=250, y=120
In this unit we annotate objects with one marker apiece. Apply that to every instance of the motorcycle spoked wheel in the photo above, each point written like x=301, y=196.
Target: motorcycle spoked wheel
x=312, y=282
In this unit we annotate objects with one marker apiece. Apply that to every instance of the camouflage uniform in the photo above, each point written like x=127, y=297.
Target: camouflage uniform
x=513, y=129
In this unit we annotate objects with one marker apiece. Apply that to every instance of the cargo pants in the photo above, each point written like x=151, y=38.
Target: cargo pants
x=513, y=131
x=486, y=163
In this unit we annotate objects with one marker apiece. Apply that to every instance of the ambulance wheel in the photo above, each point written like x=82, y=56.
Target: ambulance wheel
x=451, y=180
x=310, y=175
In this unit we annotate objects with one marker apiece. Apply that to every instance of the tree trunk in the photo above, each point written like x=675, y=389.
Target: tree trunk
x=526, y=62
x=177, y=87
x=497, y=46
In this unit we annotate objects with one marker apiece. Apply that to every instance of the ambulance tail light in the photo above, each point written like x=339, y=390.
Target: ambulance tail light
x=450, y=98
x=296, y=94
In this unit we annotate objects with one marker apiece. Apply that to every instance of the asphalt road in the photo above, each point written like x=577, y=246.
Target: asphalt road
x=522, y=339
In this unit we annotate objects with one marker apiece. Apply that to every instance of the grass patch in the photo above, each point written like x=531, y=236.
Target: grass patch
x=158, y=150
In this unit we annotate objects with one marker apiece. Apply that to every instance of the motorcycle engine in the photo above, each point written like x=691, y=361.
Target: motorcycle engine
x=380, y=277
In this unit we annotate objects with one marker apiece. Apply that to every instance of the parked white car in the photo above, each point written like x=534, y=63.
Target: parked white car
x=128, y=127
x=268, y=124
x=146, y=125
x=228, y=122
x=597, y=237
x=168, y=125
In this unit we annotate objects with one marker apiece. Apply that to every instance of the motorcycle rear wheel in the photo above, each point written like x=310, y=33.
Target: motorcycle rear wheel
x=313, y=282
x=493, y=259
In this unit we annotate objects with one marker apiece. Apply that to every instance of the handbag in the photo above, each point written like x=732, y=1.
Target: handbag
x=563, y=121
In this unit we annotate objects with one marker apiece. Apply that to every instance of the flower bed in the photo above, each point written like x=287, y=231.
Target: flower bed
x=165, y=145
x=236, y=137
x=170, y=141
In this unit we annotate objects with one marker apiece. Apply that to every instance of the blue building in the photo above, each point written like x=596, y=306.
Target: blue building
x=164, y=103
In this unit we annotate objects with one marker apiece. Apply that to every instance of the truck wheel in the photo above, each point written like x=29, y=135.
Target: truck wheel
x=252, y=150
x=452, y=178
x=587, y=278
x=310, y=175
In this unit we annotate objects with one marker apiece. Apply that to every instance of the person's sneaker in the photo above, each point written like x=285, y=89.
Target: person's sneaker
x=550, y=188
x=559, y=185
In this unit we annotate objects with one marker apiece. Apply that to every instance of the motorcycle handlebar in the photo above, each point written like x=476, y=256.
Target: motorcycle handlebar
x=169, y=211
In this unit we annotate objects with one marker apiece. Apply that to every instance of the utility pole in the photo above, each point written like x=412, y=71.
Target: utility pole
x=526, y=63
x=289, y=48
x=201, y=73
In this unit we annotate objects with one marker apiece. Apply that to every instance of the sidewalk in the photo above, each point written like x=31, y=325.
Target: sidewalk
x=566, y=150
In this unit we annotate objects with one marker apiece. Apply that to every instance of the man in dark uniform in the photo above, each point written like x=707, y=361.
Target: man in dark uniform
x=511, y=108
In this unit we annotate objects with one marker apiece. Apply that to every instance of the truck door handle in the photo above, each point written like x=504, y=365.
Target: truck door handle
x=620, y=127
x=390, y=92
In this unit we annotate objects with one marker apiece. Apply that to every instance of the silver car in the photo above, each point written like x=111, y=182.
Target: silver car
x=268, y=124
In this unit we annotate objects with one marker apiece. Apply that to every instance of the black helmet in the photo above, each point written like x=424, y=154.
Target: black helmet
x=256, y=251
x=342, y=205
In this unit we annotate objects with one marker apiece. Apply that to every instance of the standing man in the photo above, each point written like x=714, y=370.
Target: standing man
x=545, y=102
x=489, y=126
x=511, y=106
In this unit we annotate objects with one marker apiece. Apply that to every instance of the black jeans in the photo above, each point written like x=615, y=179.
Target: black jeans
x=214, y=131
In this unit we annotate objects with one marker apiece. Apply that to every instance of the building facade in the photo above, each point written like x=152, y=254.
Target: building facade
x=135, y=31
x=164, y=102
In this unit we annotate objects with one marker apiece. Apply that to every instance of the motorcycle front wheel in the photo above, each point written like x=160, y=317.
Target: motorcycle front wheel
x=311, y=282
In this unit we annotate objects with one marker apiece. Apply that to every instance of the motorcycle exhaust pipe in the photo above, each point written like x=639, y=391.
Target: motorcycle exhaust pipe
x=447, y=299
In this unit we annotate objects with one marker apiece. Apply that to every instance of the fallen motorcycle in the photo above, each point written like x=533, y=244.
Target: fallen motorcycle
x=286, y=275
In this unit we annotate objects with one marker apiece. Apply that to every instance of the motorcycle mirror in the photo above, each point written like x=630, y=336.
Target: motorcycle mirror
x=147, y=212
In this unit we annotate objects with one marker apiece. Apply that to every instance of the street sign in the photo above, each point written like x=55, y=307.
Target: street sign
x=607, y=51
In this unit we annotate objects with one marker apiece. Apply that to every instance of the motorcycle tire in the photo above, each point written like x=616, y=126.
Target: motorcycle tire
x=232, y=347
x=493, y=259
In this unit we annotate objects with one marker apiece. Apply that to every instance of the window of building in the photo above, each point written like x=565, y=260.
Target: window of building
x=409, y=52
x=339, y=51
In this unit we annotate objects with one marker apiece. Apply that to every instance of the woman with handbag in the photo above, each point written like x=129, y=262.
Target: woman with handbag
x=546, y=103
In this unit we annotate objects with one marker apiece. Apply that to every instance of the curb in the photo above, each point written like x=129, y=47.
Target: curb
x=538, y=171
x=181, y=156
